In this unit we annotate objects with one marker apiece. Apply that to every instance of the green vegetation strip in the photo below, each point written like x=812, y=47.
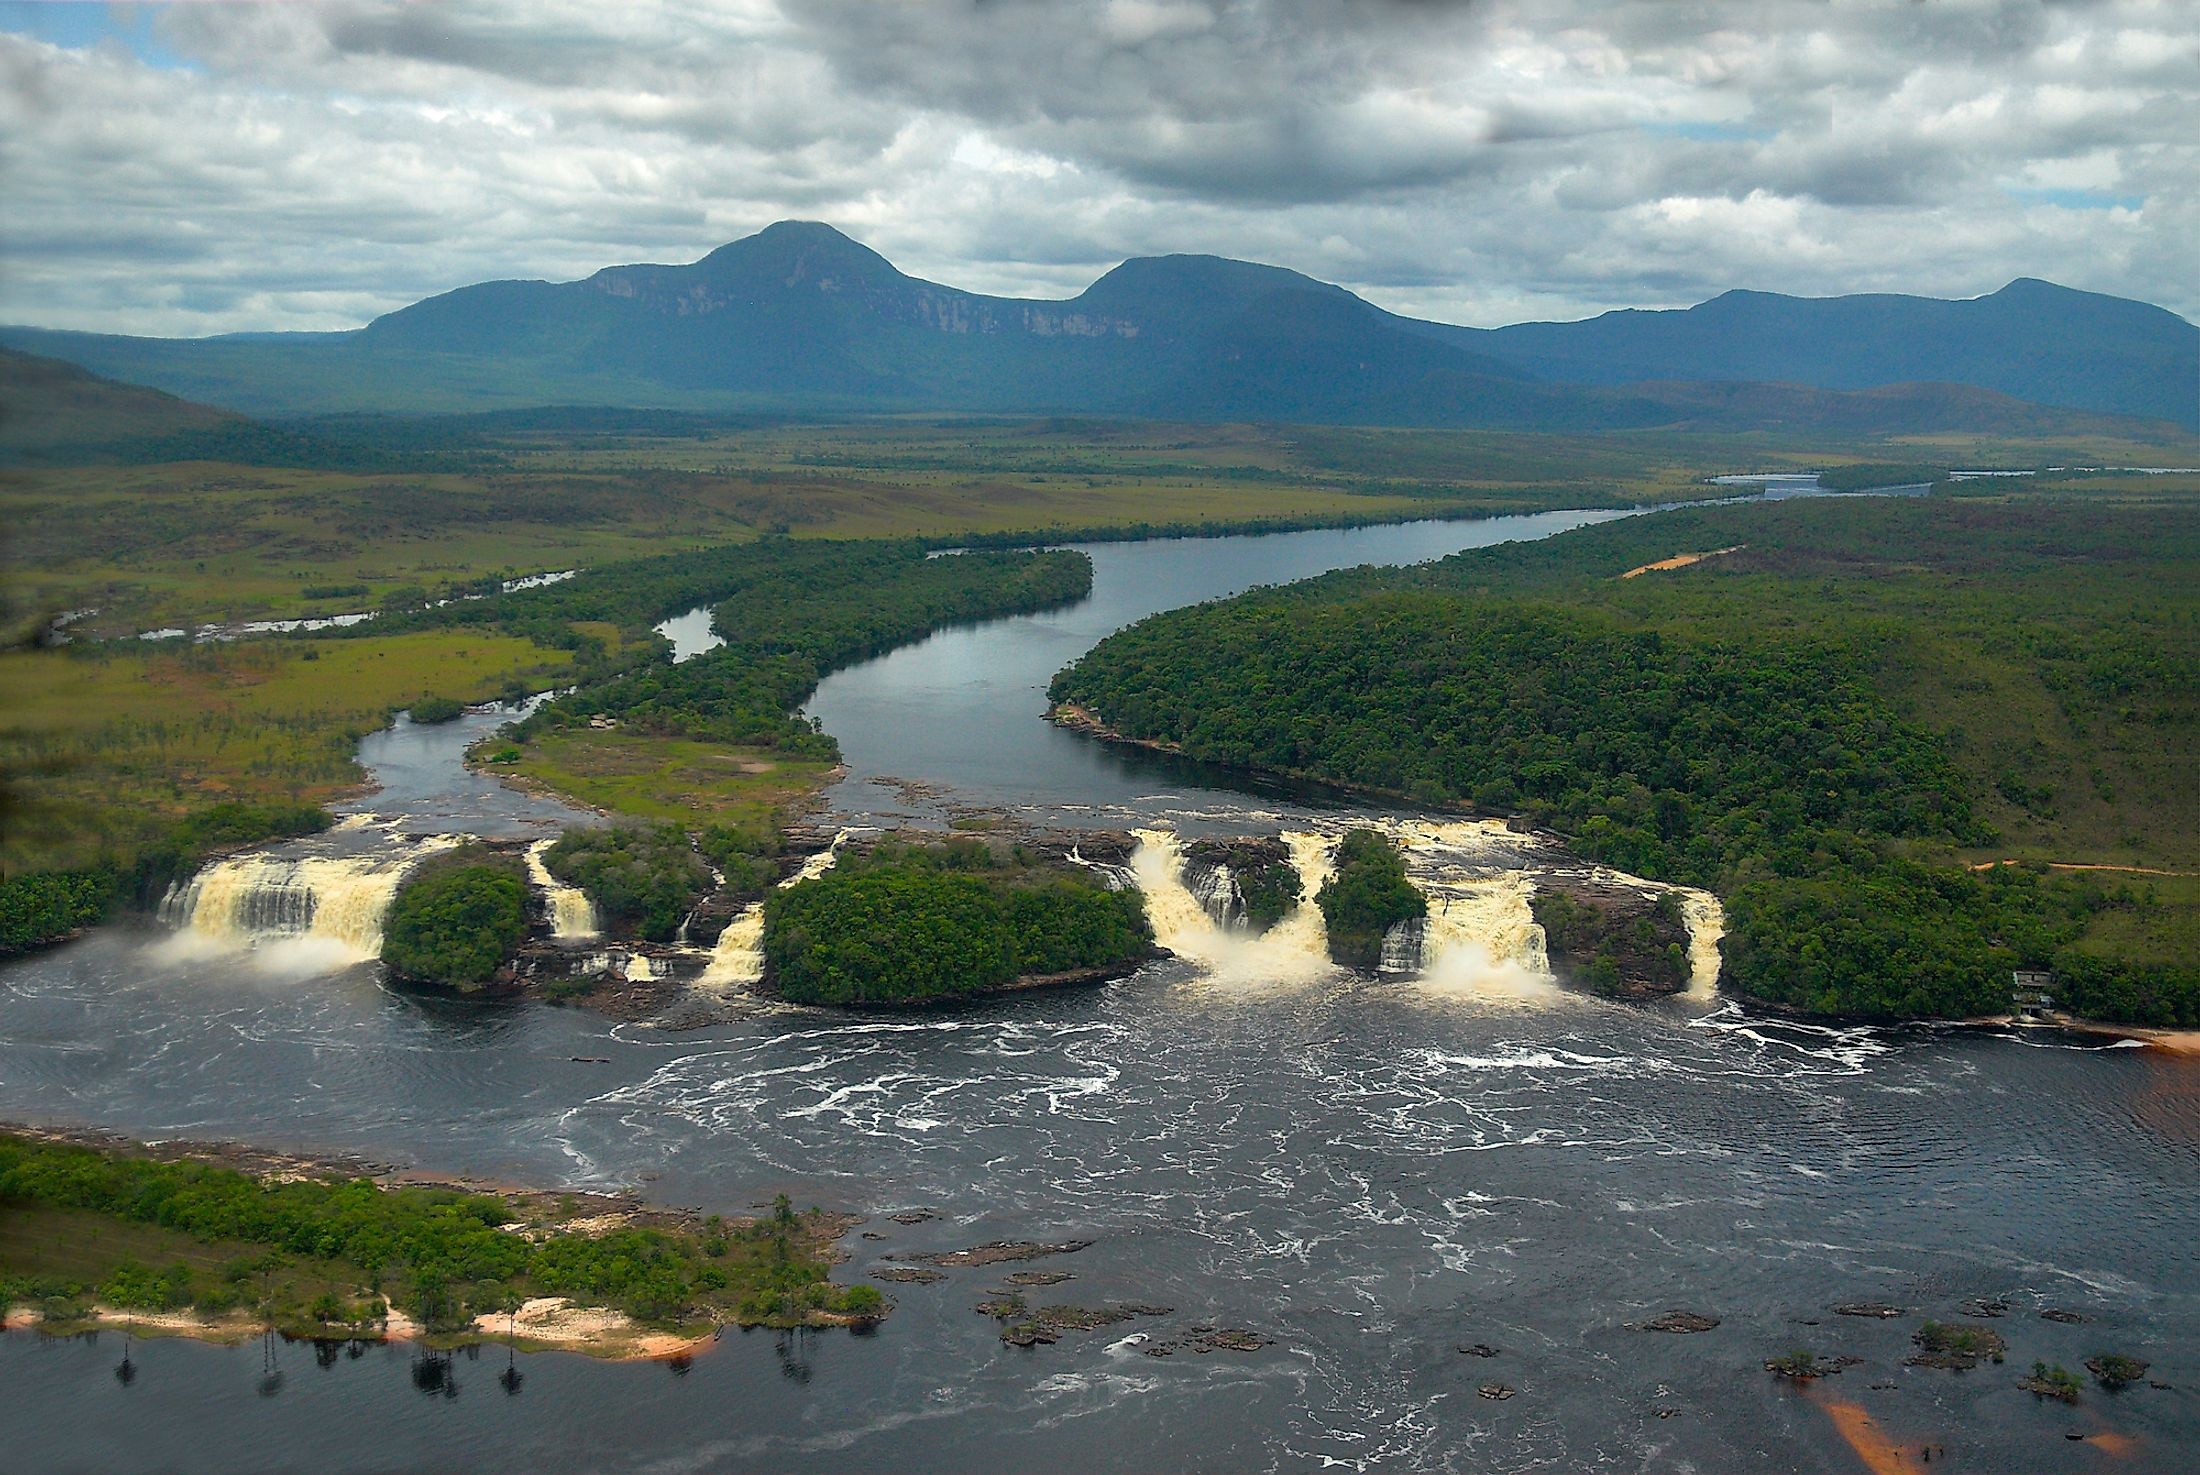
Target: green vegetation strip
x=1829, y=727
x=441, y=1255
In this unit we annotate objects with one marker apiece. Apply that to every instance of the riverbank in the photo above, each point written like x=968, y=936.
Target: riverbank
x=195, y=1240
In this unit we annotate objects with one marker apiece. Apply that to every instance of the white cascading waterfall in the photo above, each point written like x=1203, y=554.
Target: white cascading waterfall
x=1296, y=947
x=1217, y=893
x=1706, y=921
x=572, y=914
x=1480, y=933
x=313, y=912
x=1118, y=878
x=739, y=956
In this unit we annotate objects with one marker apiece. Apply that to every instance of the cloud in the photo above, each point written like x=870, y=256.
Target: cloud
x=306, y=166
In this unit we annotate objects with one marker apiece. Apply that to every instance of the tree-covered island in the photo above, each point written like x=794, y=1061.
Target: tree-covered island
x=903, y=923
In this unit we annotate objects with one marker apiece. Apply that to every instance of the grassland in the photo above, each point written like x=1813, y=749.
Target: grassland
x=107, y=745
x=179, y=543
x=645, y=776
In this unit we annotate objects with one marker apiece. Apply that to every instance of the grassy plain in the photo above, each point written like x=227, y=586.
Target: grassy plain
x=79, y=1247
x=173, y=544
x=670, y=778
x=106, y=744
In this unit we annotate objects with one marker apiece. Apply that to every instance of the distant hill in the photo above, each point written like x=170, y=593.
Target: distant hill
x=2031, y=340
x=799, y=318
x=46, y=404
x=57, y=414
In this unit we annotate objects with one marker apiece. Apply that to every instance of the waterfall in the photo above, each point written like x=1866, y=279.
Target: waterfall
x=1217, y=893
x=739, y=956
x=313, y=912
x=1118, y=878
x=572, y=914
x=1706, y=921
x=1302, y=930
x=1403, y=947
x=1479, y=933
x=1296, y=947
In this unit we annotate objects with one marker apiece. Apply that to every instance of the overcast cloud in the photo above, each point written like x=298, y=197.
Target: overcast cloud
x=214, y=167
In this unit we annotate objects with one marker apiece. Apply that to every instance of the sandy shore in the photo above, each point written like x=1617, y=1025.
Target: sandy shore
x=1681, y=560
x=2182, y=1042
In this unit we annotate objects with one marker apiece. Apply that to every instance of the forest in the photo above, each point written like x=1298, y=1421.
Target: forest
x=1829, y=723
x=789, y=612
x=1365, y=896
x=921, y=924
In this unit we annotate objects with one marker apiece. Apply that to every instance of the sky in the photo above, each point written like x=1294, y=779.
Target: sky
x=215, y=167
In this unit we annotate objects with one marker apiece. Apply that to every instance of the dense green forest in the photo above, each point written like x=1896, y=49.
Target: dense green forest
x=442, y=1255
x=1826, y=725
x=1365, y=896
x=908, y=924
x=644, y=879
x=457, y=920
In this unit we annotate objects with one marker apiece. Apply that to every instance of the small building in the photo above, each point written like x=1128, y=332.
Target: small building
x=2031, y=993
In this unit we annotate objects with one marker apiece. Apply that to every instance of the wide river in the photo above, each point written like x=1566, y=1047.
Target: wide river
x=1370, y=1176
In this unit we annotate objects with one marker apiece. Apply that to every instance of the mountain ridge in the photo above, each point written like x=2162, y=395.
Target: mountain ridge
x=802, y=318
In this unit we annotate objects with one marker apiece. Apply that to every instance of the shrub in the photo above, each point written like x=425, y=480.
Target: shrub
x=434, y=709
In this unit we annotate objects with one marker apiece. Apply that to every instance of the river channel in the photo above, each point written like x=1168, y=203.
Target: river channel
x=1368, y=1176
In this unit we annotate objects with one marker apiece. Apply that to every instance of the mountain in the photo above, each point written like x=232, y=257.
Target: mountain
x=2032, y=340
x=799, y=318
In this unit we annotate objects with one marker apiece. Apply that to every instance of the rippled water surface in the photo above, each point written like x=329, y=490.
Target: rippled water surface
x=1368, y=1175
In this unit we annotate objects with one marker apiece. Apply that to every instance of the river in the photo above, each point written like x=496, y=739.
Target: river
x=1368, y=1175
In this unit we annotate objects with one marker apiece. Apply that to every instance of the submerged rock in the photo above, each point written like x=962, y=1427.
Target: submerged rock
x=1001, y=1249
x=1207, y=1338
